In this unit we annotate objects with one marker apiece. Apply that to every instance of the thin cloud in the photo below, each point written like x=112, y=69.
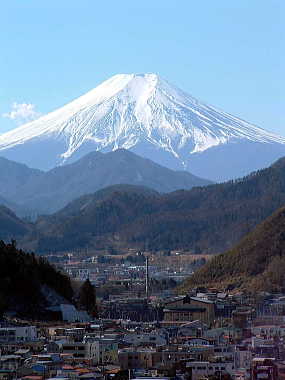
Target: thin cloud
x=22, y=112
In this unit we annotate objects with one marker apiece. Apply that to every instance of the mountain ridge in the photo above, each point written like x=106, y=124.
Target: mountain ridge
x=207, y=219
x=47, y=192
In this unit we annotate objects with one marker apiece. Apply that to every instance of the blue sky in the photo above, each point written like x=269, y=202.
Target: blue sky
x=228, y=53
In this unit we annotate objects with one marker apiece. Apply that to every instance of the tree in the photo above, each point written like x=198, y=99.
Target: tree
x=87, y=297
x=3, y=304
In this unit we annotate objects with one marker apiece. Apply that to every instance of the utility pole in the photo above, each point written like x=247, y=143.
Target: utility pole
x=146, y=278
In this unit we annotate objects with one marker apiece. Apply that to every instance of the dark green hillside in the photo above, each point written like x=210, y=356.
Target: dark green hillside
x=22, y=277
x=256, y=263
x=93, y=223
x=90, y=200
x=205, y=219
x=11, y=227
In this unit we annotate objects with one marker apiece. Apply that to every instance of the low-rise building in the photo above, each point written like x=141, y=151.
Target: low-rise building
x=15, y=334
x=97, y=351
x=185, y=309
x=199, y=370
x=150, y=358
x=264, y=368
x=137, y=339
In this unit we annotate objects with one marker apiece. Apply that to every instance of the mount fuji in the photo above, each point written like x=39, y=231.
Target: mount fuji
x=149, y=116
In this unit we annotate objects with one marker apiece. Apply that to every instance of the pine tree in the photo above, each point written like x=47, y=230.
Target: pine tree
x=3, y=304
x=87, y=297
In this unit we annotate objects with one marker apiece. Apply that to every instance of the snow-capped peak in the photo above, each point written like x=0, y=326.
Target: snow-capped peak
x=131, y=109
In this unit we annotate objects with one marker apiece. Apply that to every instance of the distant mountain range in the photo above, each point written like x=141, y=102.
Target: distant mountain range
x=256, y=263
x=46, y=192
x=147, y=115
x=207, y=219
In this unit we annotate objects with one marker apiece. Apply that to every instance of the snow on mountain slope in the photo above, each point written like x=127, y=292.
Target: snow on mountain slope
x=131, y=111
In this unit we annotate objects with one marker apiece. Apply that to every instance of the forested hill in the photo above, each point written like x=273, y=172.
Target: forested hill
x=256, y=263
x=22, y=280
x=204, y=219
x=12, y=227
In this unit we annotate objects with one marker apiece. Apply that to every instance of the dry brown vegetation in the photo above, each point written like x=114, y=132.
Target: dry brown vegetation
x=256, y=263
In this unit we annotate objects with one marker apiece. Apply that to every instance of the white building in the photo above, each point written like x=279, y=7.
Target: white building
x=243, y=358
x=268, y=331
x=198, y=342
x=102, y=351
x=99, y=351
x=17, y=334
x=145, y=338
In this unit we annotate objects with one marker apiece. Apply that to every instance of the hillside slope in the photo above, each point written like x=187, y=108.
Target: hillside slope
x=205, y=219
x=14, y=175
x=20, y=211
x=22, y=279
x=256, y=263
x=11, y=227
x=91, y=221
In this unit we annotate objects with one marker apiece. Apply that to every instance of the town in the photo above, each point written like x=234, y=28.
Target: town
x=144, y=330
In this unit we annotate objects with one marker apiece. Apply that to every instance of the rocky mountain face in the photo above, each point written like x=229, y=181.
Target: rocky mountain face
x=145, y=114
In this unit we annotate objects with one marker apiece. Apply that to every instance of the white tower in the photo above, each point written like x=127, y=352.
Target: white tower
x=146, y=278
